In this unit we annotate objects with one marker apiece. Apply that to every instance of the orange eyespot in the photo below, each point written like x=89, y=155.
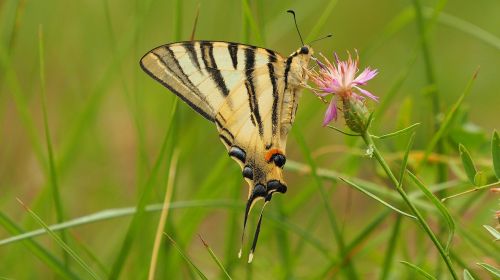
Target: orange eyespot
x=271, y=153
x=276, y=156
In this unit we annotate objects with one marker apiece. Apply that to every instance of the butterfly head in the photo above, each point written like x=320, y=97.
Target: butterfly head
x=298, y=61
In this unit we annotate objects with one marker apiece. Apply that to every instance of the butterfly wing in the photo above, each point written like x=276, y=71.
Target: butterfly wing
x=239, y=87
x=250, y=93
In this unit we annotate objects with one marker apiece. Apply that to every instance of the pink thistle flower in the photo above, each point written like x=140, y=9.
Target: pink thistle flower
x=340, y=81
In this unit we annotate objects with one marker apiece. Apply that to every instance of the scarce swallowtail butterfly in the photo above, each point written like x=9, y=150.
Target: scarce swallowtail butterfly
x=249, y=93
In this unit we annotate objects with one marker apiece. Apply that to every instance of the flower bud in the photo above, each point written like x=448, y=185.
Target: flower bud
x=355, y=114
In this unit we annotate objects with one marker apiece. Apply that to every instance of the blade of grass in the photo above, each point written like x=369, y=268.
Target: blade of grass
x=146, y=190
x=247, y=12
x=44, y=255
x=397, y=133
x=495, y=153
x=404, y=164
x=391, y=248
x=210, y=187
x=462, y=263
x=143, y=163
x=370, y=186
x=383, y=202
x=164, y=215
x=318, y=209
x=321, y=21
x=466, y=27
x=21, y=105
x=493, y=232
x=9, y=16
x=305, y=234
x=467, y=275
x=59, y=241
x=117, y=213
x=178, y=14
x=350, y=272
x=129, y=211
x=429, y=68
x=70, y=145
x=356, y=243
x=447, y=121
x=423, y=27
x=467, y=163
x=419, y=270
x=186, y=258
x=477, y=241
x=439, y=205
x=395, y=25
x=54, y=185
x=283, y=242
x=493, y=270
x=214, y=257
x=232, y=233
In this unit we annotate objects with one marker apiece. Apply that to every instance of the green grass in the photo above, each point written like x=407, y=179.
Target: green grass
x=86, y=142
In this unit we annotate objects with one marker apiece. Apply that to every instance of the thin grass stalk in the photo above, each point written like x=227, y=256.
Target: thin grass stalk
x=60, y=242
x=352, y=247
x=232, y=233
x=442, y=169
x=54, y=182
x=215, y=258
x=141, y=204
x=283, y=241
x=164, y=215
x=391, y=248
x=40, y=252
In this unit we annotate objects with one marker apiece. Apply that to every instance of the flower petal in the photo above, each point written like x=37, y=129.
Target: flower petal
x=367, y=93
x=365, y=76
x=331, y=112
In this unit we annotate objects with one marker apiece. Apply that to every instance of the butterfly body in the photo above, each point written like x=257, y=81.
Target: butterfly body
x=250, y=93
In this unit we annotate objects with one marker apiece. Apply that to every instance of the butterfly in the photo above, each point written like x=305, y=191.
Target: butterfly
x=249, y=93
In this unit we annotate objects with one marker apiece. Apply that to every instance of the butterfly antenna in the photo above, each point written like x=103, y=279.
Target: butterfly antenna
x=321, y=38
x=256, y=235
x=296, y=26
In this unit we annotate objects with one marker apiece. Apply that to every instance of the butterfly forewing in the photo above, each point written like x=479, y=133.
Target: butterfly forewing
x=249, y=92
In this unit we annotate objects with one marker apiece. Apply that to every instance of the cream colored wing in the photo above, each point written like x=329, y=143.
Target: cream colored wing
x=239, y=87
x=250, y=93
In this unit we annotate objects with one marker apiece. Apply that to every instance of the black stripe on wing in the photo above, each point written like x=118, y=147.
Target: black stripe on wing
x=274, y=116
x=192, y=54
x=207, y=54
x=250, y=86
x=233, y=52
x=182, y=97
x=223, y=128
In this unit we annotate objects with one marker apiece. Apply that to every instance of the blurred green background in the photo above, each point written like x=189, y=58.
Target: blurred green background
x=108, y=120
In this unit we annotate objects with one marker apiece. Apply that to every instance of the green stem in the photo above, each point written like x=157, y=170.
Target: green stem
x=368, y=138
x=471, y=190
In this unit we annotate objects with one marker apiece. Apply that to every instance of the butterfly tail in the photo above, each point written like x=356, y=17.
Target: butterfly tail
x=256, y=235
